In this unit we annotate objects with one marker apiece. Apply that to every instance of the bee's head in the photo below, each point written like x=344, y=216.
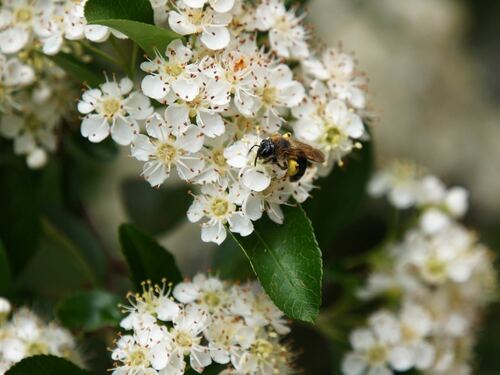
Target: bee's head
x=265, y=150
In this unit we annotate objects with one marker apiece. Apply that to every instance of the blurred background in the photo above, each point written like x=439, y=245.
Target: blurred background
x=434, y=70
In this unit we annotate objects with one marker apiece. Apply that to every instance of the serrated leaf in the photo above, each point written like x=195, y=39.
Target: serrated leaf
x=340, y=195
x=134, y=10
x=77, y=69
x=89, y=311
x=5, y=274
x=287, y=260
x=147, y=260
x=45, y=365
x=157, y=210
x=136, y=24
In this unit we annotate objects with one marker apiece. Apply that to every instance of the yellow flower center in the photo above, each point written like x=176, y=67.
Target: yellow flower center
x=269, y=95
x=31, y=123
x=184, y=340
x=435, y=268
x=218, y=158
x=220, y=207
x=173, y=69
x=262, y=349
x=333, y=136
x=23, y=15
x=166, y=152
x=138, y=359
x=240, y=64
x=37, y=348
x=408, y=333
x=376, y=354
x=110, y=107
x=211, y=299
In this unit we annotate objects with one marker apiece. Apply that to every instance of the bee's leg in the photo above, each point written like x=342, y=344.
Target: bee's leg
x=301, y=165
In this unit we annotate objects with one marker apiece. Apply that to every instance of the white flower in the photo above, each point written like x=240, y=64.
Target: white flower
x=268, y=200
x=113, y=108
x=338, y=69
x=207, y=22
x=286, y=34
x=164, y=148
x=333, y=130
x=17, y=20
x=14, y=75
x=218, y=206
x=275, y=91
x=209, y=293
x=186, y=337
x=160, y=9
x=400, y=181
x=220, y=6
x=174, y=72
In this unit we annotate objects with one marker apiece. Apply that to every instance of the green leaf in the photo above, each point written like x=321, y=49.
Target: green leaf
x=77, y=69
x=134, y=10
x=154, y=210
x=45, y=365
x=230, y=262
x=133, y=18
x=287, y=260
x=106, y=150
x=146, y=258
x=5, y=275
x=19, y=215
x=340, y=195
x=89, y=311
x=79, y=236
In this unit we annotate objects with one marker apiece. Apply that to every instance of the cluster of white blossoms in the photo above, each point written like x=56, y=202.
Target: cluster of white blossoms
x=206, y=321
x=24, y=335
x=438, y=274
x=244, y=72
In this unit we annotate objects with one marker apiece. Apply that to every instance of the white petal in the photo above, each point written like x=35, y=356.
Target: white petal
x=167, y=310
x=96, y=33
x=195, y=211
x=10, y=125
x=354, y=126
x=211, y=124
x=13, y=40
x=124, y=130
x=142, y=148
x=186, y=292
x=255, y=179
x=191, y=140
x=179, y=24
x=138, y=106
x=362, y=339
x=215, y=37
x=401, y=358
x=292, y=94
x=187, y=89
x=353, y=364
x=95, y=128
x=215, y=232
x=194, y=3
x=222, y=6
x=155, y=172
x=177, y=115
x=200, y=359
x=240, y=223
x=154, y=87
x=253, y=207
x=37, y=158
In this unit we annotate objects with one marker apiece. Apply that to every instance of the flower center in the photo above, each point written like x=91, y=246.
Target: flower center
x=110, y=107
x=409, y=334
x=184, y=340
x=435, y=269
x=218, y=158
x=282, y=24
x=240, y=64
x=138, y=359
x=269, y=96
x=220, y=207
x=31, y=124
x=36, y=348
x=174, y=70
x=333, y=136
x=376, y=354
x=262, y=349
x=211, y=299
x=23, y=15
x=166, y=152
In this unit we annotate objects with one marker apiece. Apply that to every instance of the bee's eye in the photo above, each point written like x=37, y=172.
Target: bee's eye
x=266, y=149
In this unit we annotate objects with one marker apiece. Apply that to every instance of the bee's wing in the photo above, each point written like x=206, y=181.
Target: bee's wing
x=304, y=150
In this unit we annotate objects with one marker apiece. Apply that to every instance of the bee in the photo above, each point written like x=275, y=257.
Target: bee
x=288, y=154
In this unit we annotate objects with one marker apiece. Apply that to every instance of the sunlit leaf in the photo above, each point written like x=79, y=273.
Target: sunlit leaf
x=287, y=260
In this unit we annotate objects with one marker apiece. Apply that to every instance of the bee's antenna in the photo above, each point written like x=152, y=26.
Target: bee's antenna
x=249, y=151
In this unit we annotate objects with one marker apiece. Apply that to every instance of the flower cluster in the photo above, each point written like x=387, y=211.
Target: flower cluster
x=439, y=274
x=206, y=321
x=247, y=72
x=24, y=334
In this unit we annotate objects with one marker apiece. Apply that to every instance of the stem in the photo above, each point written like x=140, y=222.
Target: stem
x=101, y=54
